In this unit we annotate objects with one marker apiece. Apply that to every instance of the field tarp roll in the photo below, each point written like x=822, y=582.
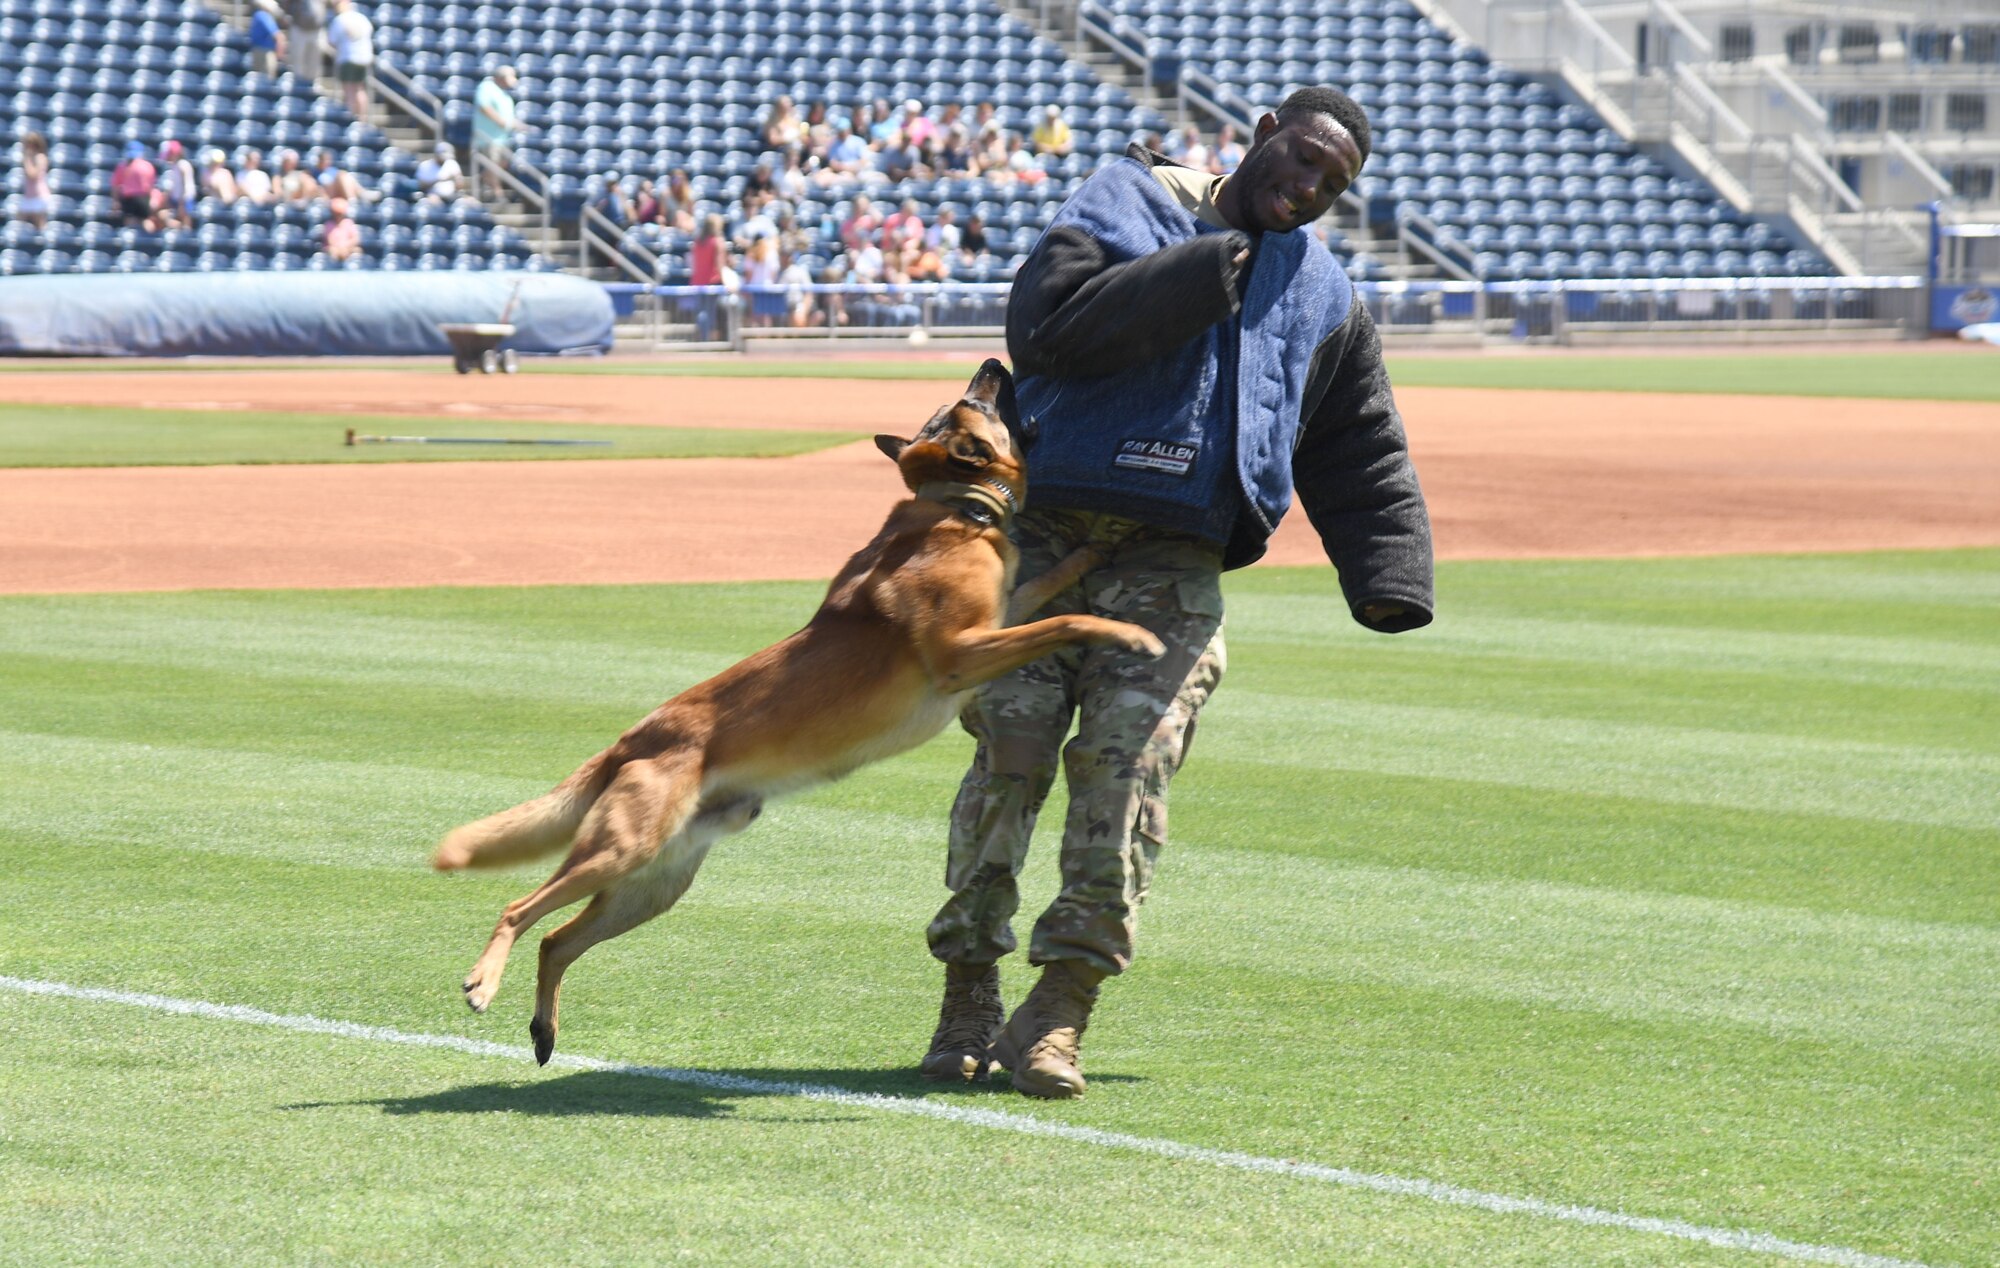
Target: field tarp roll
x=291, y=314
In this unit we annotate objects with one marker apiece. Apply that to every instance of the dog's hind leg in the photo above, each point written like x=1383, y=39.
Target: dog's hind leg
x=647, y=803
x=626, y=905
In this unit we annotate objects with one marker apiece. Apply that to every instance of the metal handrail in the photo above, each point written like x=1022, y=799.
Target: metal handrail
x=1897, y=142
x=405, y=94
x=1412, y=219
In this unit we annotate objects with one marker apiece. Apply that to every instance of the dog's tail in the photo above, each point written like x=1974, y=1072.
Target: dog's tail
x=531, y=829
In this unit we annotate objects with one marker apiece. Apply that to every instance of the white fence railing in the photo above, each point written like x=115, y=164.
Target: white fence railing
x=1540, y=311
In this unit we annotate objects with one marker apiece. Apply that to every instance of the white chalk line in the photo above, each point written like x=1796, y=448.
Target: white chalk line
x=1452, y=1195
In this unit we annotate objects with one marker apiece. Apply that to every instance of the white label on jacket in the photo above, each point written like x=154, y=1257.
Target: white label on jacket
x=1168, y=457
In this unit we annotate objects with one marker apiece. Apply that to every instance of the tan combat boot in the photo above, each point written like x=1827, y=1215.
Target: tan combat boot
x=1042, y=1041
x=967, y=1022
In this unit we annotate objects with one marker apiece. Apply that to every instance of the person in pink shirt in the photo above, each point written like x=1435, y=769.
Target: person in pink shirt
x=898, y=225
x=343, y=236
x=709, y=255
x=132, y=184
x=917, y=128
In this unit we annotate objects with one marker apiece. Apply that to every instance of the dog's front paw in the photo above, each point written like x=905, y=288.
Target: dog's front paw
x=1138, y=641
x=480, y=988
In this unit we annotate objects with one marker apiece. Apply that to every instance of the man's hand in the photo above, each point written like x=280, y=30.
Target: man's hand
x=1379, y=612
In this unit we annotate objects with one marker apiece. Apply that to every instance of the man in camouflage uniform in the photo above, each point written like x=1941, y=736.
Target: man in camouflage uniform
x=1189, y=355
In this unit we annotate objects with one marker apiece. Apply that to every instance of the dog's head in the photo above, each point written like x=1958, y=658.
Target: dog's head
x=979, y=437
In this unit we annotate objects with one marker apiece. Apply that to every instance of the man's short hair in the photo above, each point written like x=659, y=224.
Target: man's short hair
x=1334, y=104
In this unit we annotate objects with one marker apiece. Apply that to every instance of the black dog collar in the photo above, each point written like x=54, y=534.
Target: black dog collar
x=988, y=504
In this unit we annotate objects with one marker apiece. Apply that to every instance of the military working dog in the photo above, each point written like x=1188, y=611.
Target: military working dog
x=921, y=615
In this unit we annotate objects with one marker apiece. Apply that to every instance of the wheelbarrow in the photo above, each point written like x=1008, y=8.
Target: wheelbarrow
x=477, y=343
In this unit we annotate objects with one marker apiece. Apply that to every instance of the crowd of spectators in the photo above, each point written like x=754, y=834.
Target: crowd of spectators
x=818, y=153
x=159, y=191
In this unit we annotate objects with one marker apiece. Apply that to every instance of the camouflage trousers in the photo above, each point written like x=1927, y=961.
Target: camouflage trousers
x=1135, y=718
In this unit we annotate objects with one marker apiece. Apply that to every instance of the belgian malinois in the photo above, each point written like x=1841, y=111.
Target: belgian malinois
x=910, y=625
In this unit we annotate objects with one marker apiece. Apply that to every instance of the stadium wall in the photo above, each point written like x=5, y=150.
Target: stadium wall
x=293, y=313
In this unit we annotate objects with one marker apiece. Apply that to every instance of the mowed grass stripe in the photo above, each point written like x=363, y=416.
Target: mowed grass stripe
x=990, y=1120
x=1885, y=373
x=1614, y=996
x=99, y=436
x=1576, y=1103
x=459, y=1156
x=1967, y=375
x=1833, y=975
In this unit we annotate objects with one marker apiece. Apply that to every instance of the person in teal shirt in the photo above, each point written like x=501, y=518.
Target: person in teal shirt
x=493, y=121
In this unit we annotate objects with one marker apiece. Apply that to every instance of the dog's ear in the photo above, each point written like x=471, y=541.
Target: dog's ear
x=891, y=445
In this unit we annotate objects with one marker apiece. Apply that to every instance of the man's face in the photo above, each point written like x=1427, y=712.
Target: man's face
x=1295, y=171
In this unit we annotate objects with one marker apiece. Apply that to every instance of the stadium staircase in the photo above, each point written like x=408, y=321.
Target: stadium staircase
x=1776, y=168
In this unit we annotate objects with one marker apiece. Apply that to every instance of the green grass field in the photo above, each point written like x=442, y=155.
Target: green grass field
x=95, y=436
x=1886, y=373
x=1666, y=887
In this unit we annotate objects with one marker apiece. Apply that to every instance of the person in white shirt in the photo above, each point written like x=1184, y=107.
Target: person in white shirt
x=253, y=180
x=352, y=36
x=943, y=236
x=438, y=176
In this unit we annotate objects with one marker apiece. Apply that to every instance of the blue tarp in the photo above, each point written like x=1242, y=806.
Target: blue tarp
x=291, y=314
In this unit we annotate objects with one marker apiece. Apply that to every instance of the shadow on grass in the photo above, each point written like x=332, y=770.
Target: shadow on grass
x=618, y=1092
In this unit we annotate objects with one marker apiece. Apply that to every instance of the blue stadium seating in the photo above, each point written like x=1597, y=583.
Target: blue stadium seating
x=91, y=75
x=1517, y=182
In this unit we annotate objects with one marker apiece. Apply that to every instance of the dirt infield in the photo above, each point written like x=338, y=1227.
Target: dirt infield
x=1508, y=473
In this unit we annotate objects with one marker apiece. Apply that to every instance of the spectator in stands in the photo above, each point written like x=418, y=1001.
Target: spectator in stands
x=760, y=273
x=352, y=36
x=303, y=21
x=760, y=181
x=866, y=263
x=295, y=183
x=955, y=155
x=216, y=180
x=896, y=160
x=796, y=278
x=1228, y=151
x=881, y=123
x=792, y=236
x=862, y=225
x=900, y=223
x=915, y=126
x=990, y=154
x=1021, y=163
x=177, y=187
x=1186, y=148
x=792, y=183
x=756, y=223
x=343, y=236
x=493, y=120
x=943, y=236
x=846, y=158
x=709, y=256
x=253, y=180
x=611, y=202
x=677, y=202
x=972, y=242
x=1052, y=134
x=439, y=175
x=819, y=130
x=34, y=205
x=782, y=127
x=923, y=262
x=267, y=39
x=334, y=183
x=132, y=183
x=984, y=117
